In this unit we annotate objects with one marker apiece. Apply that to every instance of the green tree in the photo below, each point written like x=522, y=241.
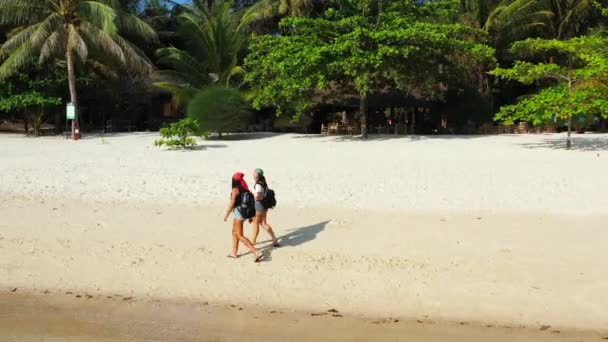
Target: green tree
x=220, y=109
x=29, y=97
x=378, y=45
x=83, y=29
x=214, y=38
x=575, y=80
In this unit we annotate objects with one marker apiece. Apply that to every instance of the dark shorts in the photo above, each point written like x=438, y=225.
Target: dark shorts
x=259, y=207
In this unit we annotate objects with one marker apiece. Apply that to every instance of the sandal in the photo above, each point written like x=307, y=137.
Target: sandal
x=232, y=256
x=258, y=258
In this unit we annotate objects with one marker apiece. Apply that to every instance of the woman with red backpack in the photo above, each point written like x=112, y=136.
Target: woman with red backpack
x=260, y=191
x=242, y=208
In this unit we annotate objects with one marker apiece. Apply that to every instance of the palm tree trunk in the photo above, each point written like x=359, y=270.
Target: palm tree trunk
x=73, y=95
x=363, y=112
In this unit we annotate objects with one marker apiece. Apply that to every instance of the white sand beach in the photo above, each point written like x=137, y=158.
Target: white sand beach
x=484, y=230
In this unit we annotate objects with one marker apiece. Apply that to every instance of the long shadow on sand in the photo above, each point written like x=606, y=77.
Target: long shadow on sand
x=295, y=237
x=580, y=143
x=300, y=236
x=387, y=137
x=244, y=136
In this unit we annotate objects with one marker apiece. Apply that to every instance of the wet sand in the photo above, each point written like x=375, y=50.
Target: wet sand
x=65, y=317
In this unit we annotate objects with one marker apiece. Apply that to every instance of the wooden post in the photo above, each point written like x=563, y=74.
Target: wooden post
x=414, y=121
x=363, y=114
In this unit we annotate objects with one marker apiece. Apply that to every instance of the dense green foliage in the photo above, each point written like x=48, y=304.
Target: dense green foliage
x=29, y=97
x=290, y=56
x=220, y=110
x=215, y=36
x=362, y=51
x=574, y=78
x=180, y=134
x=79, y=30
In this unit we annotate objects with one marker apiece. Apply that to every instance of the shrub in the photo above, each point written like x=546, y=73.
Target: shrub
x=220, y=110
x=180, y=134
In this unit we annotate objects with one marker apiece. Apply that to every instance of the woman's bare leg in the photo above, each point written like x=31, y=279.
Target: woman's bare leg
x=244, y=240
x=235, y=239
x=268, y=229
x=256, y=227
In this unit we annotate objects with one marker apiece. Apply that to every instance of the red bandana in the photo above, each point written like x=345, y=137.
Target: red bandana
x=239, y=177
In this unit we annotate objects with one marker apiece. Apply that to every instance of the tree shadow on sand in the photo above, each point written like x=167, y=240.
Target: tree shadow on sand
x=295, y=237
x=589, y=143
x=386, y=137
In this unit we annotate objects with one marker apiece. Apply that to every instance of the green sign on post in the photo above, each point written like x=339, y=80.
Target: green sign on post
x=70, y=113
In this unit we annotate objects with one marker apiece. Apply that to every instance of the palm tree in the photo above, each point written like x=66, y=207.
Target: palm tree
x=74, y=29
x=214, y=38
x=505, y=20
x=568, y=17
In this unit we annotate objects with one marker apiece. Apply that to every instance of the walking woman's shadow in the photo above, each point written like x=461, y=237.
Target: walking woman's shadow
x=296, y=237
x=299, y=236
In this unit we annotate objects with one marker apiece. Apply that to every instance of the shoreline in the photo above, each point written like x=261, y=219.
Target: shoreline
x=486, y=269
x=76, y=317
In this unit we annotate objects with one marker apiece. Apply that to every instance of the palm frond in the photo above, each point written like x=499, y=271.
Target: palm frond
x=130, y=24
x=184, y=63
x=18, y=37
x=20, y=55
x=76, y=43
x=136, y=60
x=53, y=46
x=21, y=12
x=99, y=14
x=102, y=41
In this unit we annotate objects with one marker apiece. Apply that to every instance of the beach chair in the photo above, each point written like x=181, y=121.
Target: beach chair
x=488, y=128
x=506, y=129
x=352, y=130
x=334, y=128
x=549, y=129
x=523, y=128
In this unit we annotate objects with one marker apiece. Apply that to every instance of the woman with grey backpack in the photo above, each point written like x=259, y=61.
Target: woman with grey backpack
x=264, y=200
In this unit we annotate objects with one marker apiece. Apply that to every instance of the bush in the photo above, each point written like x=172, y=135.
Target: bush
x=180, y=134
x=220, y=110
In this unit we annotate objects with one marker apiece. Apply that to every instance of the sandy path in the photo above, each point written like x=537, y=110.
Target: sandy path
x=492, y=269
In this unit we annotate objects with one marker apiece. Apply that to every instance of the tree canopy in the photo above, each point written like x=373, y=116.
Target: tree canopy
x=370, y=49
x=573, y=75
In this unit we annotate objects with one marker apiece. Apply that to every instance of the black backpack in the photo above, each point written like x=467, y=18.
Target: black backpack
x=246, y=204
x=269, y=201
